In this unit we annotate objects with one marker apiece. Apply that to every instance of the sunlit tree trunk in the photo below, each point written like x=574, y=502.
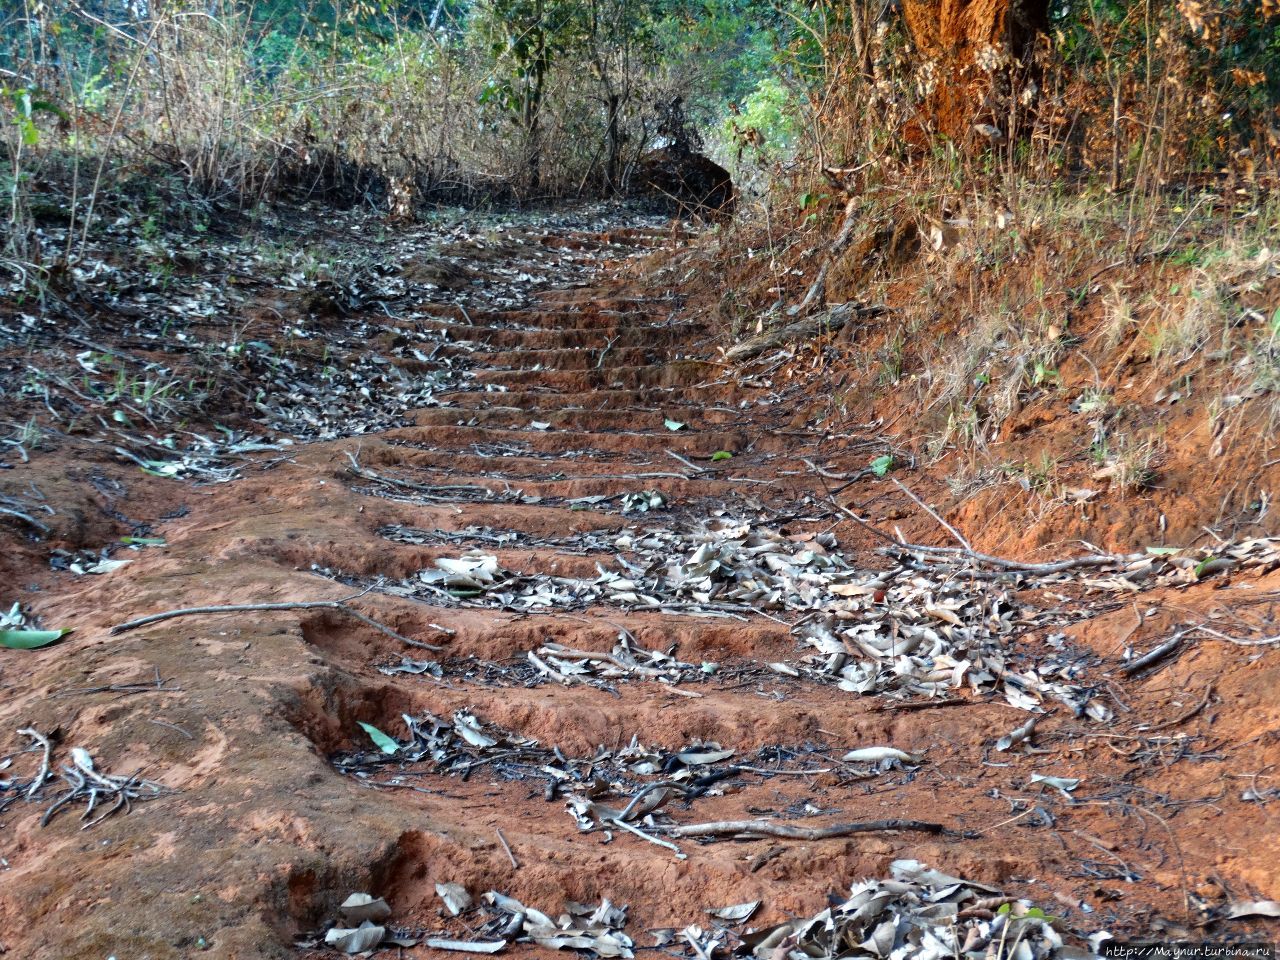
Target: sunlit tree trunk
x=965, y=40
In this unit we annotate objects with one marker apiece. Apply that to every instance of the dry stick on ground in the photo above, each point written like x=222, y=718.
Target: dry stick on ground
x=427, y=490
x=895, y=706
x=515, y=864
x=842, y=238
x=933, y=513
x=339, y=605
x=1238, y=641
x=688, y=463
x=1012, y=566
x=1159, y=653
x=29, y=520
x=1015, y=566
x=680, y=855
x=43, y=773
x=1204, y=702
x=829, y=321
x=748, y=829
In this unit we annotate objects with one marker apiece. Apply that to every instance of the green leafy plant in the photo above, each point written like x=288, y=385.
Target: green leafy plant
x=30, y=639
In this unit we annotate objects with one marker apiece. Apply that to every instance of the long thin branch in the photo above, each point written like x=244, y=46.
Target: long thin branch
x=787, y=831
x=1159, y=653
x=842, y=238
x=29, y=520
x=1012, y=566
x=933, y=513
x=339, y=605
x=652, y=839
x=43, y=774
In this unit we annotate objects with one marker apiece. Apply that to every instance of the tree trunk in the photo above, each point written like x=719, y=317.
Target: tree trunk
x=613, y=148
x=960, y=37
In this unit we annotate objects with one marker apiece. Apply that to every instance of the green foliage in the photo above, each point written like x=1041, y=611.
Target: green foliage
x=383, y=97
x=771, y=114
x=29, y=639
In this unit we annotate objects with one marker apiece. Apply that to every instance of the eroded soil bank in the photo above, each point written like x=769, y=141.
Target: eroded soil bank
x=534, y=446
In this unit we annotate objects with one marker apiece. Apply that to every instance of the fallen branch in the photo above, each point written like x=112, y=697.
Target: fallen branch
x=45, y=762
x=924, y=554
x=680, y=855
x=748, y=829
x=842, y=238
x=933, y=513
x=26, y=518
x=428, y=491
x=894, y=706
x=339, y=605
x=828, y=321
x=1204, y=702
x=1238, y=641
x=515, y=864
x=688, y=463
x=1159, y=653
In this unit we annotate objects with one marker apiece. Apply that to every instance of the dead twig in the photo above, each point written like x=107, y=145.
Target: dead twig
x=1204, y=702
x=680, y=855
x=29, y=520
x=339, y=605
x=901, y=546
x=688, y=463
x=171, y=726
x=933, y=513
x=1159, y=653
x=426, y=491
x=1263, y=642
x=515, y=864
x=124, y=689
x=898, y=706
x=85, y=782
x=750, y=829
x=43, y=773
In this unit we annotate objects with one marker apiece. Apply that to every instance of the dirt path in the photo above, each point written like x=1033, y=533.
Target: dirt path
x=279, y=805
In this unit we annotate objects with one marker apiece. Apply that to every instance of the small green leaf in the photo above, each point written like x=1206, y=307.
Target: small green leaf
x=721, y=455
x=119, y=417
x=380, y=739
x=1205, y=565
x=882, y=465
x=30, y=133
x=674, y=425
x=30, y=639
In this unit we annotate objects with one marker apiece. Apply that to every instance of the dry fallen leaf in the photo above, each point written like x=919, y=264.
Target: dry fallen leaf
x=1253, y=908
x=364, y=906
x=365, y=937
x=736, y=913
x=455, y=897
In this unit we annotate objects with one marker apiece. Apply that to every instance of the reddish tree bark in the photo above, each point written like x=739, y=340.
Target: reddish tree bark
x=953, y=34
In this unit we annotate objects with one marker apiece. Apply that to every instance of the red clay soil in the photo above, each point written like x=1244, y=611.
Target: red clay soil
x=260, y=837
